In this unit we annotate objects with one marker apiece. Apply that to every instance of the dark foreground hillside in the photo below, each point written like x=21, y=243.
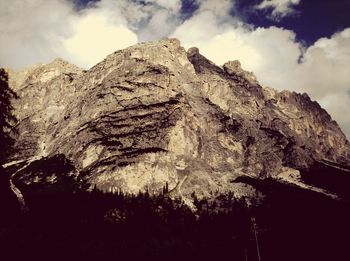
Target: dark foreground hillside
x=288, y=224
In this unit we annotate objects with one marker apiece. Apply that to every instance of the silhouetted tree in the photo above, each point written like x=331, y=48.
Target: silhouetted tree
x=8, y=200
x=7, y=119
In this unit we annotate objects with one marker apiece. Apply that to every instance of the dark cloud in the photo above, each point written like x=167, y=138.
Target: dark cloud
x=82, y=4
x=314, y=19
x=188, y=8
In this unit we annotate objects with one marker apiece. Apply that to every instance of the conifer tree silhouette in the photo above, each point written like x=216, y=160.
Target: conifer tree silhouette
x=7, y=119
x=8, y=200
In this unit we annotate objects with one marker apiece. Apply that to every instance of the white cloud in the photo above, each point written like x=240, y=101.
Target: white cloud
x=159, y=18
x=280, y=8
x=211, y=19
x=94, y=38
x=325, y=75
x=174, y=5
x=30, y=32
x=159, y=24
x=35, y=31
x=219, y=8
x=326, y=67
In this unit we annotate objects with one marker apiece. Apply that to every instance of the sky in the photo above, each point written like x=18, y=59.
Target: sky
x=298, y=45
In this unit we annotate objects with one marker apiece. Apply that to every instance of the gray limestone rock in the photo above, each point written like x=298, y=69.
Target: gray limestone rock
x=153, y=114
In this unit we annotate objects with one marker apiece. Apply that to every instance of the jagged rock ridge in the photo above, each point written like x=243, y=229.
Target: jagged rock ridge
x=153, y=114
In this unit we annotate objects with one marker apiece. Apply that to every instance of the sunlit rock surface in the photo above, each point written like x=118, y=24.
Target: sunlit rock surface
x=154, y=114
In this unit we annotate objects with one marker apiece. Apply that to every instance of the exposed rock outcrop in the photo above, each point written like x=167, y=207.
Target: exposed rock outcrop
x=153, y=114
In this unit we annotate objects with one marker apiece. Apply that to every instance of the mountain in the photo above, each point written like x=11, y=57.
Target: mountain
x=153, y=115
x=227, y=168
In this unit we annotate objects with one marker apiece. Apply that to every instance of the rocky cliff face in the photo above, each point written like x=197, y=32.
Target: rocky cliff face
x=154, y=114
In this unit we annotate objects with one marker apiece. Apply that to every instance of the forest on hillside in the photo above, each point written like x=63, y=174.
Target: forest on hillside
x=288, y=224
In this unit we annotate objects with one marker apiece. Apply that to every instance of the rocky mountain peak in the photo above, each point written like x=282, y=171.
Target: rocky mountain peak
x=193, y=51
x=153, y=114
x=42, y=73
x=234, y=67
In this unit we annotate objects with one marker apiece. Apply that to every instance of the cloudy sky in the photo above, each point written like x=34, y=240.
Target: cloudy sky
x=299, y=45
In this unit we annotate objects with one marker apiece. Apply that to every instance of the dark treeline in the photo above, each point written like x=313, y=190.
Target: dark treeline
x=298, y=224
x=95, y=225
x=66, y=220
x=288, y=225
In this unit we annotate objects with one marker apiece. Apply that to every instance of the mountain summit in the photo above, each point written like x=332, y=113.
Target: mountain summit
x=154, y=115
